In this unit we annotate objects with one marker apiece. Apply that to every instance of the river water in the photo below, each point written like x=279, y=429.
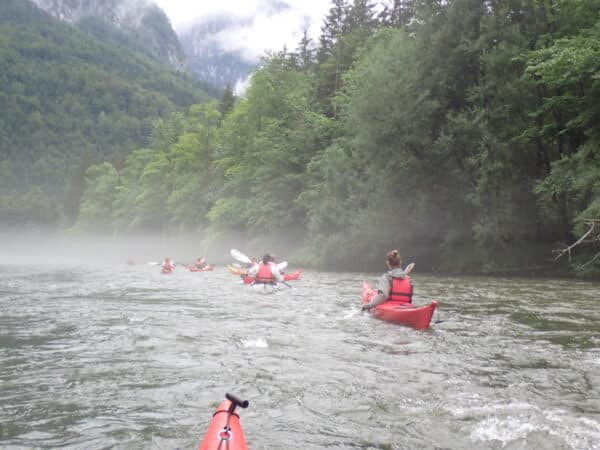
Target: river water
x=124, y=357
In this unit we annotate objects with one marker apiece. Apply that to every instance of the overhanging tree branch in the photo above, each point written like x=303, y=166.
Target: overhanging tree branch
x=591, y=236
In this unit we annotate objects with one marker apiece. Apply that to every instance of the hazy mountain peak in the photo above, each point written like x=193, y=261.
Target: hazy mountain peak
x=114, y=11
x=145, y=24
x=209, y=59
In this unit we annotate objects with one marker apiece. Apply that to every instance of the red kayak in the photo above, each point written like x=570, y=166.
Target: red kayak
x=293, y=276
x=204, y=269
x=287, y=277
x=401, y=313
x=225, y=431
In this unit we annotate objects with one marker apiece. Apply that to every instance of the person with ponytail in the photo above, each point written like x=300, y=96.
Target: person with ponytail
x=394, y=285
x=266, y=272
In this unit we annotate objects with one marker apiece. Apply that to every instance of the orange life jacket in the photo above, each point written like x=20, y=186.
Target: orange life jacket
x=401, y=290
x=264, y=274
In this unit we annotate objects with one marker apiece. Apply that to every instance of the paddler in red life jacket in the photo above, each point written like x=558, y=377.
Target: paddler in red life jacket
x=200, y=263
x=265, y=272
x=167, y=265
x=394, y=285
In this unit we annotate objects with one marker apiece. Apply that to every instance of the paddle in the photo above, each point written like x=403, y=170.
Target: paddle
x=239, y=256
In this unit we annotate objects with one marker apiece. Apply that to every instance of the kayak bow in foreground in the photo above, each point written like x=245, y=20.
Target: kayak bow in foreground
x=225, y=431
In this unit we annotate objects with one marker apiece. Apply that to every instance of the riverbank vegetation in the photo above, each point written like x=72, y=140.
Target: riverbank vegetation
x=464, y=133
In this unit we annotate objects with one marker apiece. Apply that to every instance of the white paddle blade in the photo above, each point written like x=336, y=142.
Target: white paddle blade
x=239, y=256
x=282, y=265
x=409, y=268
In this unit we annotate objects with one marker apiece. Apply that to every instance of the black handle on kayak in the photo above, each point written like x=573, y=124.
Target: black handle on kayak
x=236, y=401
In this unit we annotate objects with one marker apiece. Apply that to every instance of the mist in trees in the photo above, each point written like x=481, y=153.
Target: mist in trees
x=464, y=133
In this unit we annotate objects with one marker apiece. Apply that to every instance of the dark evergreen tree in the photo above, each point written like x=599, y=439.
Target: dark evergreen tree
x=227, y=100
x=305, y=52
x=332, y=29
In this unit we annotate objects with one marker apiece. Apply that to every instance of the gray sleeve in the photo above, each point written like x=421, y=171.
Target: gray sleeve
x=384, y=286
x=253, y=270
x=383, y=292
x=377, y=300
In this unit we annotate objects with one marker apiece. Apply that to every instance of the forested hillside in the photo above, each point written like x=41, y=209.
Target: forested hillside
x=464, y=133
x=139, y=25
x=68, y=100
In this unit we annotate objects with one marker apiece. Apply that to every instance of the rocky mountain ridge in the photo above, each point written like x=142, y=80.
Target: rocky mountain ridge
x=142, y=22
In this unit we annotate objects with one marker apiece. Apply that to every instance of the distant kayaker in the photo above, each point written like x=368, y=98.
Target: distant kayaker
x=394, y=285
x=266, y=272
x=200, y=263
x=252, y=263
x=167, y=265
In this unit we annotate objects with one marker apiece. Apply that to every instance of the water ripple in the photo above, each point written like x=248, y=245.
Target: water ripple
x=129, y=358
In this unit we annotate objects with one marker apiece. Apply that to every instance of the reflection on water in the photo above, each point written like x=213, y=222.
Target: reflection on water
x=129, y=358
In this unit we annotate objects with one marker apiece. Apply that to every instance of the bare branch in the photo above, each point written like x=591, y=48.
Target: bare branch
x=579, y=241
x=590, y=237
x=590, y=261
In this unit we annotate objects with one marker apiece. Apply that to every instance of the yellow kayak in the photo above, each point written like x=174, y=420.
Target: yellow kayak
x=237, y=270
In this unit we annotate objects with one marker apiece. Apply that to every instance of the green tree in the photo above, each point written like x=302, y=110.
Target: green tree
x=227, y=101
x=97, y=204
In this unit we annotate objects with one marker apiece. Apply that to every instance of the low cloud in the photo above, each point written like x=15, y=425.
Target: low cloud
x=260, y=25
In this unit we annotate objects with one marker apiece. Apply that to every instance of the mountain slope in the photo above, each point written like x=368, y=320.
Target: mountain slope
x=67, y=100
x=137, y=24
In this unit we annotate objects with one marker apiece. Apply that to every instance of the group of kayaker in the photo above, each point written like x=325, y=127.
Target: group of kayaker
x=168, y=265
x=394, y=285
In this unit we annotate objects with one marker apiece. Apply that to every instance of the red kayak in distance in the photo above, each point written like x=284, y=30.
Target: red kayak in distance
x=204, y=269
x=287, y=277
x=225, y=430
x=417, y=317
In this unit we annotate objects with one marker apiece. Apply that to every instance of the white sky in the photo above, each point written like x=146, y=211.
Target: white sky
x=267, y=29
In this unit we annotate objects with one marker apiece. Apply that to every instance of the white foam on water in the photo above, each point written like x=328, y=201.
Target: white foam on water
x=509, y=424
x=133, y=319
x=502, y=429
x=254, y=343
x=578, y=432
x=491, y=409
